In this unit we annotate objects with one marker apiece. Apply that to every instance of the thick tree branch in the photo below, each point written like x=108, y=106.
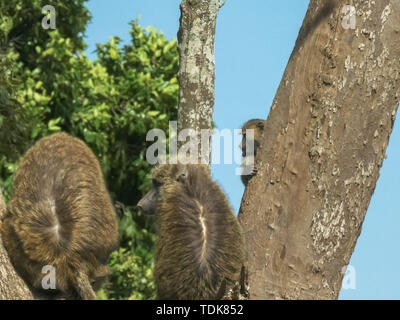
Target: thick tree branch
x=324, y=143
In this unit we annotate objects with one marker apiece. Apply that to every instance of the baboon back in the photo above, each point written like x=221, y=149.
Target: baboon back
x=200, y=242
x=60, y=215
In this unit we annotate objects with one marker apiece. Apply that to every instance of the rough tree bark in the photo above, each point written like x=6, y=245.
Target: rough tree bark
x=323, y=145
x=12, y=287
x=197, y=63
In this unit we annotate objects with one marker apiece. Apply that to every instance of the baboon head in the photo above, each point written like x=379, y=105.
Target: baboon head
x=163, y=176
x=258, y=126
x=148, y=204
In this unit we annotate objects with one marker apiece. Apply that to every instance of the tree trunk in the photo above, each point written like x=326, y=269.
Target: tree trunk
x=323, y=145
x=12, y=287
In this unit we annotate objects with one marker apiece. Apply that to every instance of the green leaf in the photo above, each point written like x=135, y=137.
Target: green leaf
x=52, y=125
x=113, y=53
x=153, y=113
x=89, y=136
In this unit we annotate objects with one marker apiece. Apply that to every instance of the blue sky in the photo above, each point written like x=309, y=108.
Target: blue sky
x=254, y=40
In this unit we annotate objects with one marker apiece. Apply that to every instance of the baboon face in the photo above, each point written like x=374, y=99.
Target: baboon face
x=258, y=126
x=148, y=204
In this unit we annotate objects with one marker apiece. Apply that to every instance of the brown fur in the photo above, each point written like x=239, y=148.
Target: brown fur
x=200, y=243
x=258, y=126
x=60, y=215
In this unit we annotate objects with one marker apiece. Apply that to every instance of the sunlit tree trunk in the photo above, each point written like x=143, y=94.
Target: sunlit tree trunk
x=197, y=66
x=324, y=142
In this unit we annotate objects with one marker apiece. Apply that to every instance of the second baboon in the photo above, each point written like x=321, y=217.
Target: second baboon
x=248, y=165
x=60, y=215
x=200, y=244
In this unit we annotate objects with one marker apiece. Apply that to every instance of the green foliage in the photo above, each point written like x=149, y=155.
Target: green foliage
x=132, y=265
x=21, y=25
x=48, y=85
x=131, y=278
x=14, y=124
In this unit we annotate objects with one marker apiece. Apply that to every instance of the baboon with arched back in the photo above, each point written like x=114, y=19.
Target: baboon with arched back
x=200, y=246
x=60, y=215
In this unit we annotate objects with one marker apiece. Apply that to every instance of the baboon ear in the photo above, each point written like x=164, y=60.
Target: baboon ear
x=260, y=124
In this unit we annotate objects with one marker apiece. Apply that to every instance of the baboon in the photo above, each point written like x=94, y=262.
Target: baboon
x=60, y=215
x=200, y=245
x=248, y=168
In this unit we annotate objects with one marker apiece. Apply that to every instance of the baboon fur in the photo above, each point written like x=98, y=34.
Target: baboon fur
x=249, y=160
x=200, y=243
x=60, y=215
